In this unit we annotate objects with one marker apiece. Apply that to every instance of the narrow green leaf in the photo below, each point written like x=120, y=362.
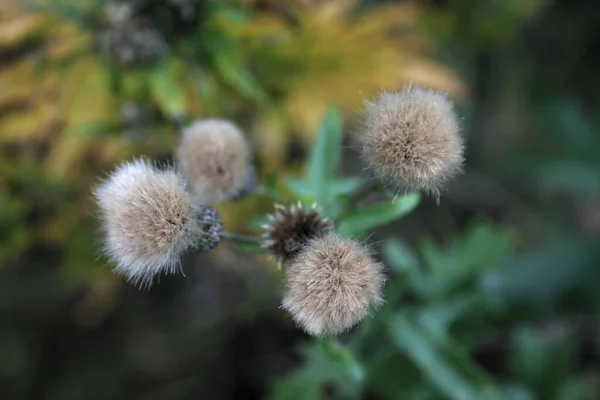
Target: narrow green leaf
x=345, y=186
x=441, y=372
x=207, y=88
x=364, y=219
x=167, y=92
x=234, y=73
x=324, y=159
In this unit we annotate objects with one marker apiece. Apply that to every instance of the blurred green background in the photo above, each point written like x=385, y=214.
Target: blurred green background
x=494, y=294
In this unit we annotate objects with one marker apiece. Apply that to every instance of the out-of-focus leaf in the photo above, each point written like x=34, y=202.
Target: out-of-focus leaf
x=207, y=88
x=515, y=391
x=238, y=77
x=541, y=275
x=324, y=159
x=533, y=351
x=437, y=319
x=399, y=256
x=96, y=129
x=345, y=186
x=299, y=188
x=483, y=248
x=326, y=362
x=364, y=219
x=167, y=92
x=565, y=176
x=440, y=371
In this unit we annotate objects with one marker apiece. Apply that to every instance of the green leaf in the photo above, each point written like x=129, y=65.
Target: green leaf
x=399, y=256
x=401, y=259
x=458, y=355
x=324, y=160
x=439, y=369
x=461, y=263
x=96, y=129
x=346, y=186
x=326, y=362
x=437, y=319
x=207, y=88
x=167, y=92
x=269, y=190
x=364, y=219
x=238, y=77
x=298, y=188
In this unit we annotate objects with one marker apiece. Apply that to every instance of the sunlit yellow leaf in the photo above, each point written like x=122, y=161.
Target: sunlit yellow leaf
x=19, y=29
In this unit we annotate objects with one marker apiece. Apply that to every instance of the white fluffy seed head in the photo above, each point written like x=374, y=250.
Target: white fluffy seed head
x=214, y=156
x=331, y=285
x=412, y=140
x=148, y=220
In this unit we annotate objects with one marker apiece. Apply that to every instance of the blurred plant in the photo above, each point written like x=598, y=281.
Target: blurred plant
x=88, y=83
x=445, y=308
x=331, y=282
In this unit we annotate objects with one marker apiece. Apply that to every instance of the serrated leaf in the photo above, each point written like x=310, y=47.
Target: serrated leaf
x=364, y=219
x=324, y=159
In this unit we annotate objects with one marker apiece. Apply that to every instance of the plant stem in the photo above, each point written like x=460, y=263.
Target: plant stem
x=234, y=237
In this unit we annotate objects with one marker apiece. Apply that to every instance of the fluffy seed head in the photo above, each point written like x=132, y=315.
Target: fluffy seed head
x=412, y=140
x=149, y=220
x=215, y=159
x=289, y=229
x=331, y=285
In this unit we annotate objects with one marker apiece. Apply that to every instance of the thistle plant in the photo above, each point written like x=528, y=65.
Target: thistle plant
x=316, y=233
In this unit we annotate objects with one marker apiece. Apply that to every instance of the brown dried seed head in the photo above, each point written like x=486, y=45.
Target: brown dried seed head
x=215, y=158
x=412, y=140
x=331, y=285
x=289, y=228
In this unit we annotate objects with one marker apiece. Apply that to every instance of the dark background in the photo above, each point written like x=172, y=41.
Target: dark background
x=524, y=74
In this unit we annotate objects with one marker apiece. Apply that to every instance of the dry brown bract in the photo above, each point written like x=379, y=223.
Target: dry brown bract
x=215, y=159
x=289, y=228
x=331, y=285
x=148, y=219
x=412, y=140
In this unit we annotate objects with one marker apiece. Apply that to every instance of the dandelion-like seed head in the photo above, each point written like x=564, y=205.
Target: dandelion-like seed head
x=331, y=285
x=412, y=140
x=149, y=220
x=290, y=228
x=215, y=159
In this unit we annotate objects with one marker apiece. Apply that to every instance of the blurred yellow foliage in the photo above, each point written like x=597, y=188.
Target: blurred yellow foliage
x=333, y=56
x=314, y=55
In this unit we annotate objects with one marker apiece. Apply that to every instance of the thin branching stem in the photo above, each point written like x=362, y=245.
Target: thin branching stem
x=235, y=237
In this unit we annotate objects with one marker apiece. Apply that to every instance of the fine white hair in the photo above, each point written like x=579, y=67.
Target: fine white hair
x=148, y=220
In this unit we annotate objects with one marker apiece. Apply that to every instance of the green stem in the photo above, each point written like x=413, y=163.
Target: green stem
x=235, y=237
